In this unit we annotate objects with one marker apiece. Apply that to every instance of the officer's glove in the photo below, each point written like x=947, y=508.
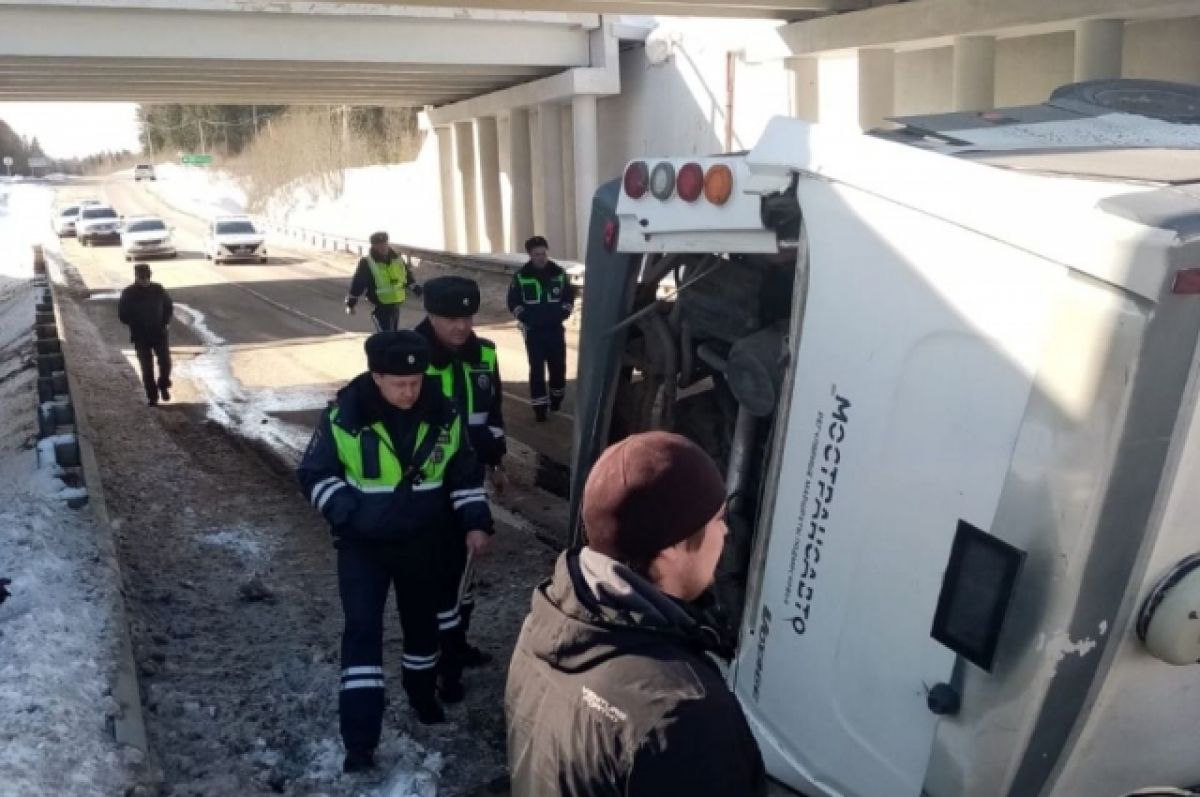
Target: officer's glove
x=350, y=302
x=416, y=290
x=566, y=311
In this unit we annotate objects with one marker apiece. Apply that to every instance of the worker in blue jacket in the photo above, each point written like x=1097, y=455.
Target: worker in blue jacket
x=391, y=470
x=542, y=298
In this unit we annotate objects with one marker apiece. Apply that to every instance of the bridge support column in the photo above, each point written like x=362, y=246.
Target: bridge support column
x=584, y=141
x=520, y=180
x=466, y=178
x=974, y=73
x=806, y=87
x=1098, y=44
x=550, y=163
x=876, y=86
x=452, y=230
x=487, y=138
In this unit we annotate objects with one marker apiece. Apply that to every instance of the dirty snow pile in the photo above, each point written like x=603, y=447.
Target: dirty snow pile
x=58, y=632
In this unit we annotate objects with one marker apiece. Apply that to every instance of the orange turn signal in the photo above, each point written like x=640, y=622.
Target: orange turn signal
x=718, y=184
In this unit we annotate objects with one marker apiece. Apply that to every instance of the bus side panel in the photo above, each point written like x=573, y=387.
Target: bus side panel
x=913, y=372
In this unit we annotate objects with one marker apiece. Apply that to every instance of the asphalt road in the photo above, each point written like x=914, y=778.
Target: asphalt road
x=263, y=347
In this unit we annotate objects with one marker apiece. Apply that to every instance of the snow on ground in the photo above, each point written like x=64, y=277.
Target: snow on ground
x=58, y=631
x=403, y=199
x=198, y=190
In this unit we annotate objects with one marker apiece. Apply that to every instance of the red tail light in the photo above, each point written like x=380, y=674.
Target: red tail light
x=1187, y=281
x=690, y=182
x=637, y=179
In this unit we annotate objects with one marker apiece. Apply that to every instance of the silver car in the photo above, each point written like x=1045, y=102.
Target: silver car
x=63, y=220
x=146, y=236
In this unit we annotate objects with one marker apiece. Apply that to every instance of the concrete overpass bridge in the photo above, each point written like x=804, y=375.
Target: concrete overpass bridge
x=512, y=86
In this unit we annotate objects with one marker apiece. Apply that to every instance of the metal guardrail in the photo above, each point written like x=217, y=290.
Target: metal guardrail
x=359, y=246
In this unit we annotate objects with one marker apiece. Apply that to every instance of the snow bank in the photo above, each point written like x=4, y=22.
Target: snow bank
x=58, y=631
x=404, y=199
x=198, y=190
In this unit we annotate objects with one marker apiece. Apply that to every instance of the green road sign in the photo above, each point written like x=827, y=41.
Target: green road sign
x=196, y=160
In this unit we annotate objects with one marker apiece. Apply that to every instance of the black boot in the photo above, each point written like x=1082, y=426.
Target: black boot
x=165, y=393
x=540, y=413
x=452, y=692
x=474, y=657
x=358, y=760
x=429, y=710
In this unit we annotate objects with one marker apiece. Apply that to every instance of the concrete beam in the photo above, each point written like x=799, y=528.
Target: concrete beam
x=601, y=78
x=298, y=97
x=351, y=8
x=806, y=88
x=501, y=10
x=74, y=32
x=348, y=69
x=585, y=153
x=1098, y=46
x=876, y=87
x=933, y=23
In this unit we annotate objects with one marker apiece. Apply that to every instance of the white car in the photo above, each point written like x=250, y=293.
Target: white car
x=146, y=236
x=233, y=238
x=97, y=223
x=63, y=220
x=143, y=171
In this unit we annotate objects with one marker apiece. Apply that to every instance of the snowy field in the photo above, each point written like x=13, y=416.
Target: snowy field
x=57, y=630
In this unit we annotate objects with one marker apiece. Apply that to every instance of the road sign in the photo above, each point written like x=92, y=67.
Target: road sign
x=8, y=161
x=196, y=160
x=39, y=163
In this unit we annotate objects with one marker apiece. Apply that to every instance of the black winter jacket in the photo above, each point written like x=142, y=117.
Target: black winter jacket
x=354, y=515
x=363, y=280
x=611, y=693
x=146, y=310
x=487, y=436
x=546, y=308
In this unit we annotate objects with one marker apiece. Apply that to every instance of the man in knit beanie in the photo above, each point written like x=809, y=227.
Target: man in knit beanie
x=612, y=689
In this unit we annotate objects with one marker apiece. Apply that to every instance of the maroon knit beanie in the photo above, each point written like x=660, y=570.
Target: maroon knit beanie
x=649, y=492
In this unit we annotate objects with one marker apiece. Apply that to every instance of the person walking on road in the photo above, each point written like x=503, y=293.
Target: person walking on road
x=146, y=308
x=612, y=691
x=542, y=299
x=468, y=371
x=391, y=471
x=386, y=278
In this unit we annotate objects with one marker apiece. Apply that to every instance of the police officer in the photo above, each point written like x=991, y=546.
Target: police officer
x=542, y=298
x=468, y=371
x=390, y=469
x=385, y=277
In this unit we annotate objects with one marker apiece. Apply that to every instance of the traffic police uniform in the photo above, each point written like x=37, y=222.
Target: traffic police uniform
x=391, y=483
x=470, y=377
x=386, y=283
x=542, y=299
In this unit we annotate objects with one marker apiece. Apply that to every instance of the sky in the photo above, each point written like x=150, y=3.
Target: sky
x=74, y=129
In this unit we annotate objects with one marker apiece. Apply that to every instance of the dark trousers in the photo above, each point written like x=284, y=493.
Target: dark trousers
x=366, y=573
x=547, y=351
x=386, y=317
x=146, y=354
x=456, y=599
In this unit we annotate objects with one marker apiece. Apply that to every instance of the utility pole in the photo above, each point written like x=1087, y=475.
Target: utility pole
x=346, y=127
x=200, y=127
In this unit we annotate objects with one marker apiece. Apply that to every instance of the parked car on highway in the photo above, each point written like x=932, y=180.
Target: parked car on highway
x=83, y=203
x=233, y=238
x=63, y=220
x=97, y=223
x=143, y=171
x=146, y=236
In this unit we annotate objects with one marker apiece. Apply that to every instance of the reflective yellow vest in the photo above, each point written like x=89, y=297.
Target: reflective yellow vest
x=478, y=377
x=391, y=280
x=372, y=465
